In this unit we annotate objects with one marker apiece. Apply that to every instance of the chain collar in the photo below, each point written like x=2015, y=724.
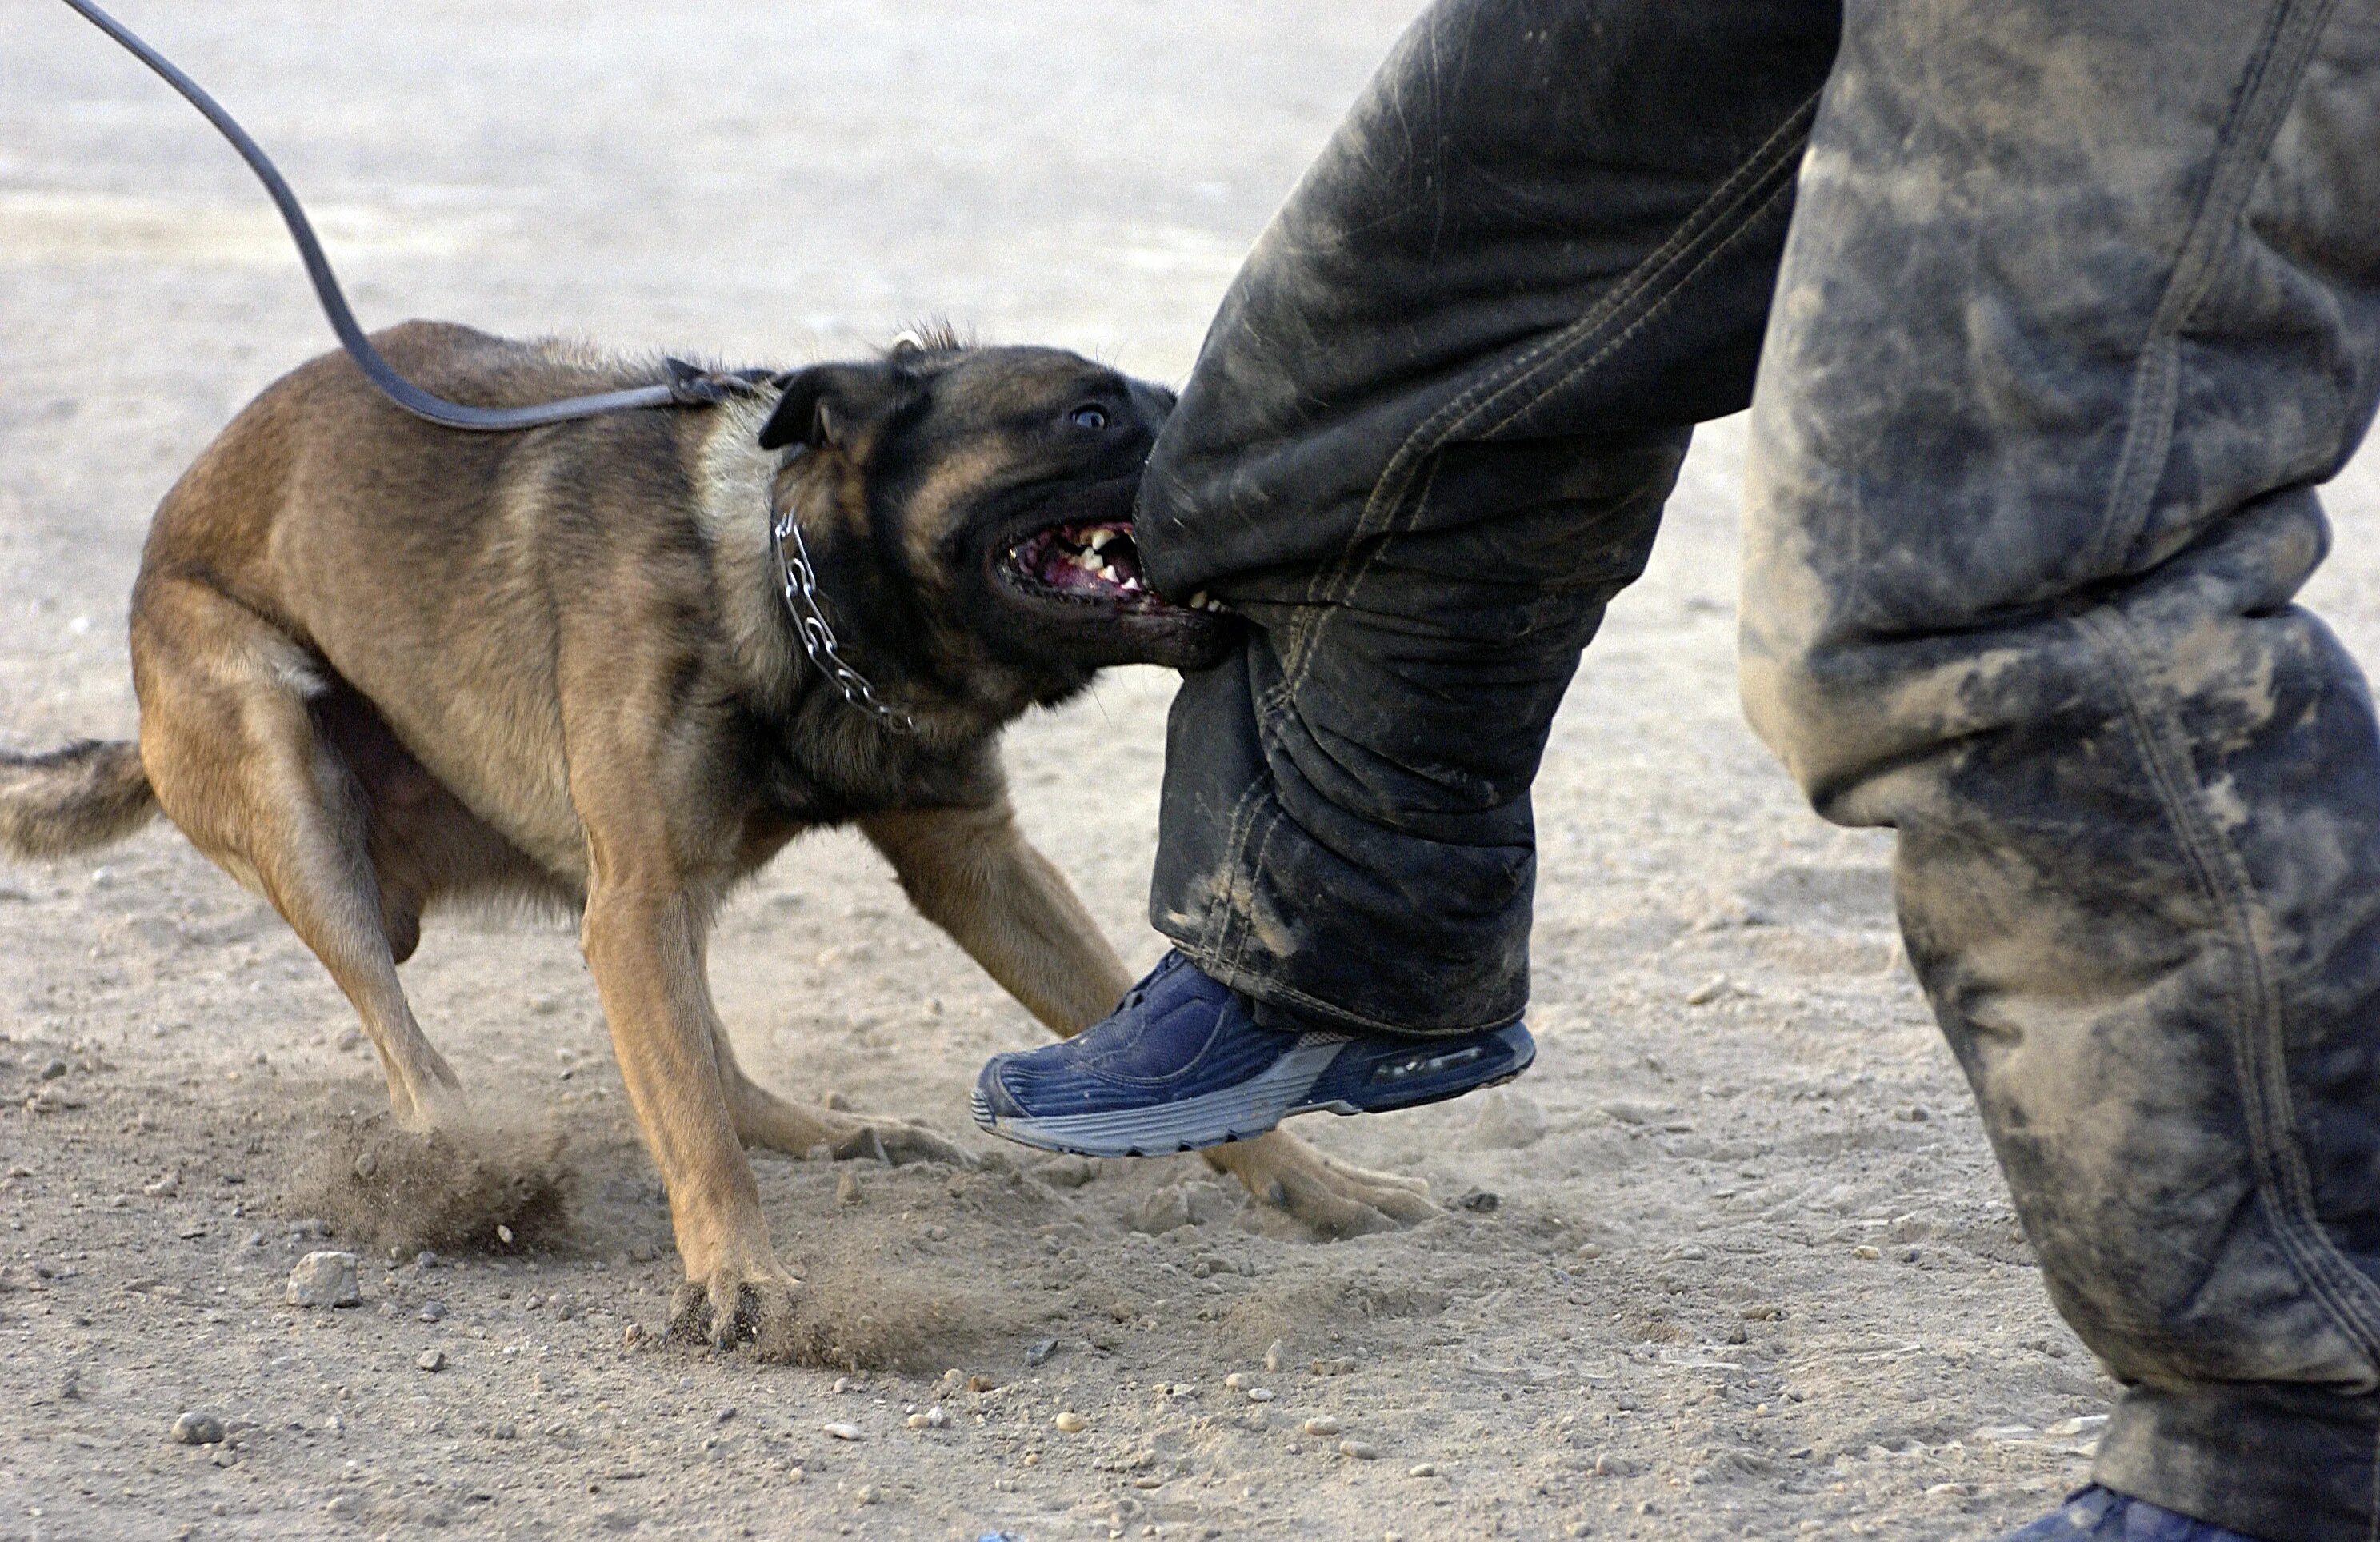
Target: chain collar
x=799, y=578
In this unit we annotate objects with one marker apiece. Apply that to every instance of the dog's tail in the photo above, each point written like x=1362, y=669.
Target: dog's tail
x=86, y=795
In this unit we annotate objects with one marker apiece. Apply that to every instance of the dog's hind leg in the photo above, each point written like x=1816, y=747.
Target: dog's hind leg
x=972, y=873
x=233, y=752
x=763, y=1119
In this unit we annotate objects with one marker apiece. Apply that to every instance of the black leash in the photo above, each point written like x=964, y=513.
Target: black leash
x=688, y=385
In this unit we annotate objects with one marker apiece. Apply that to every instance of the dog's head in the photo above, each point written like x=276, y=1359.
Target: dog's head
x=969, y=511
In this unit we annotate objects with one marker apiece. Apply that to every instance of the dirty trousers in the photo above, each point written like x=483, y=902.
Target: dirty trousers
x=2051, y=315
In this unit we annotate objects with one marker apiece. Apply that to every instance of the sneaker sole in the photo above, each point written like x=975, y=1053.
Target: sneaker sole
x=1283, y=1090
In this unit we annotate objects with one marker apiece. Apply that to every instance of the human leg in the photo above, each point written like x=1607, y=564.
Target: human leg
x=2081, y=301
x=1427, y=439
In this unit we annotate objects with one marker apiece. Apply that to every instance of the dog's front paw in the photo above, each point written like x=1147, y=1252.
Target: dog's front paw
x=739, y=1303
x=1323, y=1195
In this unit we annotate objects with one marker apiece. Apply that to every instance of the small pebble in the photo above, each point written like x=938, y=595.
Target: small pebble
x=1237, y=1381
x=847, y=1188
x=196, y=1428
x=367, y=1164
x=866, y=1494
x=431, y=1360
x=844, y=1432
x=171, y=1183
x=503, y=1234
x=1321, y=1424
x=1422, y=1469
x=1260, y=1394
x=1276, y=1355
x=1864, y=1251
x=1362, y=1450
x=1070, y=1422
x=345, y=1507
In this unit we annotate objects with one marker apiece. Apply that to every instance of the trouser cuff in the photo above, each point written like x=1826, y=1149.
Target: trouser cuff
x=2284, y=1464
x=1275, y=1005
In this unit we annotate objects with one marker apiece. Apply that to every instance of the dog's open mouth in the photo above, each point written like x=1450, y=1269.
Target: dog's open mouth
x=1091, y=562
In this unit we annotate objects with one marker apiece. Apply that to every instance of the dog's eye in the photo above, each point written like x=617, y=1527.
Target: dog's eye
x=1087, y=417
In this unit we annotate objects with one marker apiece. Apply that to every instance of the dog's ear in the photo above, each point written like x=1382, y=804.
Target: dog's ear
x=838, y=405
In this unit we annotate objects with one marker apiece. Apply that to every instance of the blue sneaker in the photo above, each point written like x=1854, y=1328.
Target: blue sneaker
x=2103, y=1515
x=1183, y=1064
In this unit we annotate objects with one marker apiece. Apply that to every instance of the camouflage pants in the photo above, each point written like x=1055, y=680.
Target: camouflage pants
x=2051, y=316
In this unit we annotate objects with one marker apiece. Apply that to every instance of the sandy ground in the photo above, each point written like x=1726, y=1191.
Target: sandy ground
x=1747, y=1269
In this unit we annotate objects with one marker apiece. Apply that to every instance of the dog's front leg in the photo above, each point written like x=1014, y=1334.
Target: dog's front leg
x=643, y=940
x=971, y=872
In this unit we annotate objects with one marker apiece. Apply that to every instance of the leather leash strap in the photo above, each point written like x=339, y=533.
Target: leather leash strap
x=688, y=385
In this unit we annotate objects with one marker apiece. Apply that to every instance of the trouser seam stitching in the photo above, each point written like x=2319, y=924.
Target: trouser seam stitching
x=1334, y=584
x=1642, y=322
x=1665, y=299
x=1242, y=924
x=2283, y=1186
x=2247, y=136
x=1216, y=926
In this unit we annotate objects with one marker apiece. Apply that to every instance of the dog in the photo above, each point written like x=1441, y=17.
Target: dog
x=383, y=665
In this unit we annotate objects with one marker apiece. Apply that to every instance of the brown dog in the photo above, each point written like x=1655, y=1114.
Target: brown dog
x=382, y=664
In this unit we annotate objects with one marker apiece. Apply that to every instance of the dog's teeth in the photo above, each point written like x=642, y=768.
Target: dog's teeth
x=1131, y=586
x=1108, y=572
x=1198, y=600
x=1100, y=538
x=1087, y=561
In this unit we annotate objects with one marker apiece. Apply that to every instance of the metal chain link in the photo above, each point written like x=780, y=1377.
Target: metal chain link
x=800, y=583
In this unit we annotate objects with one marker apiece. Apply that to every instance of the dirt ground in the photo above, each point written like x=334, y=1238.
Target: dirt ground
x=1732, y=1261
